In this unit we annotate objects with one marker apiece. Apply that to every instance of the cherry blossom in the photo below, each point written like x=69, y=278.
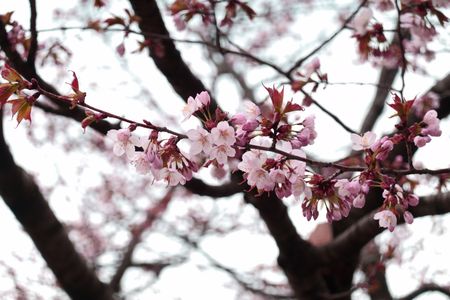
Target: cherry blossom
x=364, y=142
x=221, y=153
x=124, y=142
x=201, y=141
x=172, y=176
x=223, y=134
x=142, y=163
x=386, y=219
x=361, y=20
x=190, y=108
x=408, y=217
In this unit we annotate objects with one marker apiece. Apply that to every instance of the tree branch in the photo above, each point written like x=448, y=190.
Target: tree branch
x=21, y=194
x=153, y=214
x=297, y=257
x=430, y=287
x=34, y=35
x=359, y=234
x=171, y=64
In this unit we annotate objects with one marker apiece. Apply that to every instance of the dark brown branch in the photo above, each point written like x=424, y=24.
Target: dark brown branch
x=297, y=258
x=198, y=187
x=385, y=80
x=34, y=36
x=359, y=234
x=171, y=64
x=153, y=214
x=21, y=194
x=430, y=287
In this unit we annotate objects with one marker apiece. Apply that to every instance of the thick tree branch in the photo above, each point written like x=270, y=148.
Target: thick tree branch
x=355, y=237
x=21, y=194
x=198, y=187
x=171, y=64
x=430, y=287
x=385, y=80
x=297, y=257
x=34, y=36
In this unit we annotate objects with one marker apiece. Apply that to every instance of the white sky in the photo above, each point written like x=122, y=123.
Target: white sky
x=97, y=66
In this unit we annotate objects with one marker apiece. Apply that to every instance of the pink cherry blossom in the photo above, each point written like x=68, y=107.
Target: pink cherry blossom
x=251, y=110
x=359, y=201
x=382, y=147
x=200, y=141
x=432, y=122
x=172, y=176
x=412, y=199
x=364, y=142
x=259, y=178
x=251, y=160
x=190, y=108
x=421, y=141
x=141, y=162
x=221, y=153
x=408, y=217
x=124, y=142
x=386, y=219
x=384, y=5
x=361, y=20
x=223, y=134
x=203, y=99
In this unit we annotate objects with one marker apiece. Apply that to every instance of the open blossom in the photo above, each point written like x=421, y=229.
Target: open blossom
x=223, y=134
x=172, y=176
x=251, y=110
x=124, y=142
x=221, y=153
x=201, y=100
x=142, y=163
x=361, y=20
x=364, y=142
x=200, y=141
x=190, y=108
x=251, y=160
x=386, y=219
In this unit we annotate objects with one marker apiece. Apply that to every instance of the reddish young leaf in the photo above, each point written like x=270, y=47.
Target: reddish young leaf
x=6, y=90
x=10, y=74
x=74, y=84
x=6, y=18
x=248, y=10
x=22, y=108
x=402, y=108
x=292, y=107
x=99, y=3
x=276, y=97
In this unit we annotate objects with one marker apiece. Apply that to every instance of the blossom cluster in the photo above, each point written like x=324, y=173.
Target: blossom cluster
x=265, y=143
x=415, y=19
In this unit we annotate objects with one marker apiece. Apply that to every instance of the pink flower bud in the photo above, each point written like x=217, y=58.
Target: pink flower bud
x=408, y=217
